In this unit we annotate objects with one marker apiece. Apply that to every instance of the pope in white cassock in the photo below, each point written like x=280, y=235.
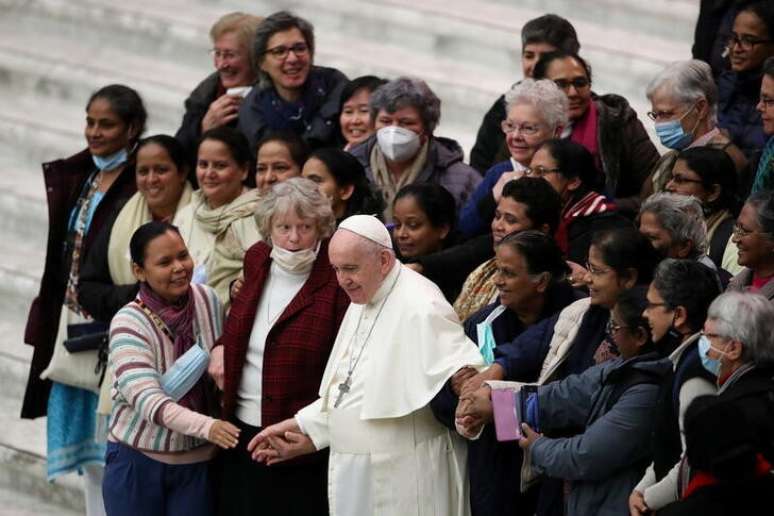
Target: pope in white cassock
x=399, y=342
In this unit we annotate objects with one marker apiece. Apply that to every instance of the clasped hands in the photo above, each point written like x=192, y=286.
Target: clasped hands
x=279, y=443
x=474, y=409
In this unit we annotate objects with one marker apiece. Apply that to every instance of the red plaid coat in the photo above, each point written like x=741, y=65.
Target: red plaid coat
x=298, y=344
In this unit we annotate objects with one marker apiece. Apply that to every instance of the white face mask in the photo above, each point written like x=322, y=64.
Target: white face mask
x=295, y=261
x=397, y=143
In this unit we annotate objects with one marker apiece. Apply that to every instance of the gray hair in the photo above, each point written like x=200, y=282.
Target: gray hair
x=280, y=21
x=748, y=318
x=686, y=82
x=243, y=26
x=545, y=96
x=299, y=194
x=407, y=91
x=681, y=216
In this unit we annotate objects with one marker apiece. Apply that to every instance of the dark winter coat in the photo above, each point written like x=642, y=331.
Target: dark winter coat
x=64, y=180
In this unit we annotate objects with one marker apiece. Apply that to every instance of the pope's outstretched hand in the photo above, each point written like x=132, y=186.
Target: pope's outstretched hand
x=280, y=442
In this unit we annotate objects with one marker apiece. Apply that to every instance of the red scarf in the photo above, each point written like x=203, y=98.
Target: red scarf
x=704, y=479
x=589, y=204
x=584, y=132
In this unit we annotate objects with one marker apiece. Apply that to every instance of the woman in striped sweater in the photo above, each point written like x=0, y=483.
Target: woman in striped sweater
x=161, y=436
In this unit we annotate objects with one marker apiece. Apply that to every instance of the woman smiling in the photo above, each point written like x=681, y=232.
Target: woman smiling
x=218, y=225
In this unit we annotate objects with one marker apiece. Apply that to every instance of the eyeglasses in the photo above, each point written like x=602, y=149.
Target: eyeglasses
x=541, y=171
x=667, y=115
x=767, y=102
x=746, y=42
x=281, y=52
x=595, y=271
x=228, y=55
x=612, y=328
x=579, y=83
x=740, y=232
x=681, y=180
x=509, y=127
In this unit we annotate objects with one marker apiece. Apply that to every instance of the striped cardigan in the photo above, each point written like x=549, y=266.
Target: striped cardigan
x=143, y=416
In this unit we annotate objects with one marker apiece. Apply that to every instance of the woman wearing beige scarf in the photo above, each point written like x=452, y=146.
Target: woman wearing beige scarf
x=107, y=282
x=218, y=226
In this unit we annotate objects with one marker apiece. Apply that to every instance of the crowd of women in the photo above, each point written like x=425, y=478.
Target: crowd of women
x=188, y=300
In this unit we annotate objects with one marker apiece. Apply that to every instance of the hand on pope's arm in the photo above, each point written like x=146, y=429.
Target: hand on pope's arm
x=280, y=442
x=494, y=372
x=460, y=377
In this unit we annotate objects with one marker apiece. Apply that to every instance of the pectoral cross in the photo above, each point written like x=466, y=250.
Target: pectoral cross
x=343, y=389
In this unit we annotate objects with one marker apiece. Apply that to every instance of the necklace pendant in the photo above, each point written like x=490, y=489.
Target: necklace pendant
x=343, y=389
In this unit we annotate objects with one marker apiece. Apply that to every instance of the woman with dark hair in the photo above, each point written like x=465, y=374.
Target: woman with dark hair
x=678, y=299
x=751, y=41
x=527, y=203
x=532, y=285
x=291, y=93
x=218, y=225
x=571, y=341
x=83, y=192
x=107, y=281
x=280, y=155
x=355, y=119
x=342, y=179
x=606, y=125
x=708, y=174
x=161, y=433
x=569, y=168
x=754, y=238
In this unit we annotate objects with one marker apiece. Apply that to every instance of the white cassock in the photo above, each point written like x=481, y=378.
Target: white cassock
x=388, y=454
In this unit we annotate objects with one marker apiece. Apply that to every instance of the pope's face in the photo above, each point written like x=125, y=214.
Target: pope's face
x=359, y=268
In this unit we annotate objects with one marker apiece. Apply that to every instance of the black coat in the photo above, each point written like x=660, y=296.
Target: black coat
x=196, y=106
x=449, y=268
x=64, y=180
x=748, y=498
x=96, y=291
x=495, y=467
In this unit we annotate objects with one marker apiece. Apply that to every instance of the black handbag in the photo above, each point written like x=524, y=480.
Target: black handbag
x=91, y=336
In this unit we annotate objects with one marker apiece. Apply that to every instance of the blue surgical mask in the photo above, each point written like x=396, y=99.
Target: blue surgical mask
x=672, y=135
x=710, y=364
x=111, y=162
x=486, y=340
x=185, y=372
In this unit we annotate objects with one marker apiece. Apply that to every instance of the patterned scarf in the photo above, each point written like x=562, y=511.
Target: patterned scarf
x=477, y=291
x=178, y=325
x=764, y=176
x=386, y=181
x=590, y=204
x=79, y=225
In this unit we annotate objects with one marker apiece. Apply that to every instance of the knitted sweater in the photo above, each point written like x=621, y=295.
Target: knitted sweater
x=143, y=416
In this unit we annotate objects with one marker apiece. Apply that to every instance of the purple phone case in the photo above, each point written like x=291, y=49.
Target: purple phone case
x=507, y=424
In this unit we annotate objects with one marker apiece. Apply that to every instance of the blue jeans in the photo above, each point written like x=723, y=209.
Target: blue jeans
x=135, y=484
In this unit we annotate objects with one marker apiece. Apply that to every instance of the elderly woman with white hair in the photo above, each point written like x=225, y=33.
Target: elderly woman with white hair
x=536, y=111
x=684, y=103
x=275, y=344
x=736, y=347
x=404, y=150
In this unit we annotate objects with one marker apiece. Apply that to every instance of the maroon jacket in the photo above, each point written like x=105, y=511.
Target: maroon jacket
x=64, y=180
x=297, y=346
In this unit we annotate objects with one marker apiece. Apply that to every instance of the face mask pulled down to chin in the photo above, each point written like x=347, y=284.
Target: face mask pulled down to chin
x=397, y=143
